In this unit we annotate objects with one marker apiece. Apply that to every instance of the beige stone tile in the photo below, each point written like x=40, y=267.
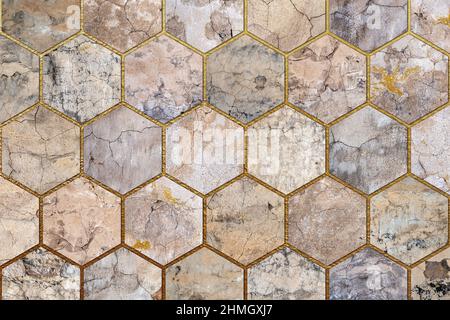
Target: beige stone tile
x=245, y=220
x=327, y=220
x=286, y=275
x=286, y=24
x=409, y=220
x=204, y=275
x=41, y=149
x=286, y=149
x=163, y=79
x=81, y=220
x=163, y=220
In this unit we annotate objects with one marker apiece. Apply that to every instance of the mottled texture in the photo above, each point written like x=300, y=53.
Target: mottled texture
x=204, y=275
x=40, y=149
x=163, y=79
x=430, y=280
x=163, y=220
x=204, y=24
x=368, y=275
x=327, y=78
x=286, y=24
x=245, y=220
x=19, y=79
x=41, y=24
x=430, y=150
x=286, y=275
x=286, y=150
x=41, y=275
x=122, y=24
x=81, y=220
x=368, y=150
x=431, y=20
x=368, y=24
x=327, y=220
x=19, y=220
x=409, y=220
x=205, y=149
x=409, y=79
x=122, y=149
x=81, y=79
x=245, y=79
x=122, y=275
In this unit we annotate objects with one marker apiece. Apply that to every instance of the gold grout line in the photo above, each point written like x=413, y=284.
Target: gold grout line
x=204, y=220
x=327, y=16
x=408, y=285
x=286, y=219
x=368, y=219
x=163, y=283
x=408, y=150
x=81, y=283
x=245, y=284
x=408, y=16
x=41, y=220
x=122, y=221
x=327, y=284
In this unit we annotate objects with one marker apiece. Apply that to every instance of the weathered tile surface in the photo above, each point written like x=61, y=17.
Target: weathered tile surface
x=122, y=24
x=286, y=24
x=286, y=275
x=368, y=275
x=19, y=220
x=409, y=79
x=163, y=220
x=204, y=275
x=41, y=24
x=327, y=78
x=204, y=24
x=81, y=220
x=368, y=150
x=163, y=79
x=245, y=79
x=409, y=220
x=368, y=24
x=245, y=220
x=430, y=152
x=41, y=275
x=41, y=149
x=122, y=275
x=327, y=220
x=122, y=149
x=205, y=149
x=81, y=79
x=286, y=150
x=19, y=79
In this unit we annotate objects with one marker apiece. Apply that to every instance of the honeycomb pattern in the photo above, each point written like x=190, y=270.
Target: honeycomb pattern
x=239, y=149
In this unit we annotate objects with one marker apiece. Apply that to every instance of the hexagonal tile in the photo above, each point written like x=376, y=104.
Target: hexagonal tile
x=41, y=275
x=430, y=154
x=19, y=220
x=430, y=19
x=204, y=275
x=40, y=149
x=286, y=24
x=19, y=79
x=81, y=220
x=409, y=79
x=409, y=220
x=327, y=78
x=286, y=150
x=205, y=149
x=122, y=149
x=122, y=24
x=81, y=79
x=286, y=275
x=368, y=150
x=245, y=220
x=327, y=220
x=41, y=24
x=122, y=275
x=163, y=79
x=368, y=275
x=430, y=280
x=205, y=24
x=163, y=220
x=245, y=79
x=368, y=24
